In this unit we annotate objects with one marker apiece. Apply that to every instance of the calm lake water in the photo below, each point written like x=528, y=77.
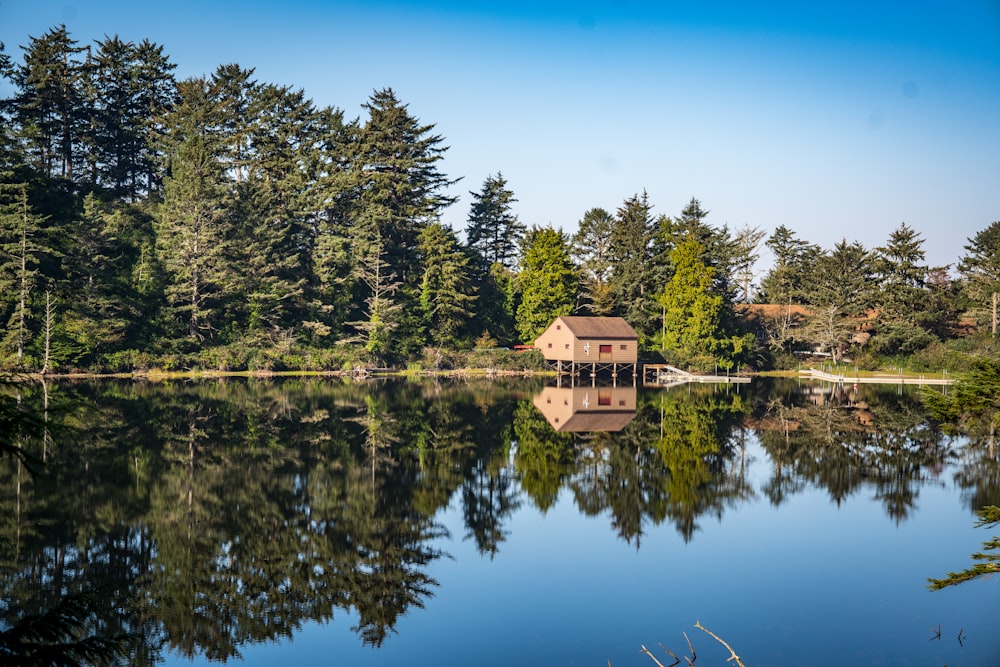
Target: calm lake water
x=318, y=522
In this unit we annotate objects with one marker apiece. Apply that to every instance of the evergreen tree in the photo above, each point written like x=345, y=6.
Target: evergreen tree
x=494, y=232
x=697, y=326
x=397, y=191
x=692, y=309
x=21, y=249
x=901, y=274
x=6, y=64
x=902, y=299
x=323, y=201
x=843, y=279
x=721, y=251
x=276, y=202
x=746, y=247
x=987, y=562
x=944, y=303
x=446, y=294
x=129, y=85
x=790, y=274
x=691, y=225
x=49, y=106
x=499, y=298
x=396, y=180
x=548, y=281
x=592, y=251
x=630, y=253
x=102, y=306
x=154, y=95
x=192, y=237
x=333, y=293
x=839, y=292
x=972, y=406
x=235, y=92
x=980, y=270
x=382, y=311
x=718, y=248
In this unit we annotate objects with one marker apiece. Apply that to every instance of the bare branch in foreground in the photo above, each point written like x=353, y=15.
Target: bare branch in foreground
x=673, y=655
x=719, y=639
x=694, y=656
x=652, y=657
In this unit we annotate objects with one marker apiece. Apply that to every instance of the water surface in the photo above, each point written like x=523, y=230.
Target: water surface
x=433, y=523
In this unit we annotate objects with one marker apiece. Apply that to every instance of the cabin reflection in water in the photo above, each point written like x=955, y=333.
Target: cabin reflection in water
x=584, y=409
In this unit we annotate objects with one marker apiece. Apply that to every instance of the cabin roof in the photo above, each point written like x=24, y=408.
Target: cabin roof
x=596, y=421
x=599, y=327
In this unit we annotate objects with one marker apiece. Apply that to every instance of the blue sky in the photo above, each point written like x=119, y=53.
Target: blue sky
x=838, y=120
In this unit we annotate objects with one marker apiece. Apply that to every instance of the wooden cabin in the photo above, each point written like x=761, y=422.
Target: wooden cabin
x=587, y=409
x=594, y=342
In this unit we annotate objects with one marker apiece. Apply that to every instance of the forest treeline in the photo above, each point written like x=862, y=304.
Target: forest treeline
x=224, y=222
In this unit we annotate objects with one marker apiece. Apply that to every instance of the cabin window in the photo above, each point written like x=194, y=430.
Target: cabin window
x=604, y=397
x=558, y=327
x=621, y=402
x=623, y=347
x=605, y=353
x=567, y=346
x=550, y=346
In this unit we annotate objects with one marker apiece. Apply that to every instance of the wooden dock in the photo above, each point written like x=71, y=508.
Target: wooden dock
x=878, y=378
x=665, y=375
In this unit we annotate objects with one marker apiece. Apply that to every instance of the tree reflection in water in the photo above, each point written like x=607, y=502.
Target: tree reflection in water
x=840, y=437
x=224, y=513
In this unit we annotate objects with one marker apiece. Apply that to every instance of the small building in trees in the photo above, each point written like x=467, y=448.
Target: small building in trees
x=592, y=343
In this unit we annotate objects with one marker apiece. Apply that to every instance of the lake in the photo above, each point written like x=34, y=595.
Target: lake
x=510, y=522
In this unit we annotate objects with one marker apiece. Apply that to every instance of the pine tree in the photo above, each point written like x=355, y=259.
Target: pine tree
x=21, y=249
x=333, y=303
x=843, y=278
x=719, y=250
x=382, y=311
x=691, y=308
x=6, y=64
x=493, y=231
x=548, y=281
x=397, y=183
x=49, y=106
x=592, y=249
x=154, y=96
x=631, y=240
x=275, y=205
x=397, y=191
x=497, y=303
x=101, y=305
x=903, y=295
x=446, y=294
x=980, y=270
x=746, y=246
x=901, y=274
x=191, y=237
x=128, y=85
x=793, y=260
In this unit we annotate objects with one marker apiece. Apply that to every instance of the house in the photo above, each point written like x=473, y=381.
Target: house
x=597, y=342
x=587, y=409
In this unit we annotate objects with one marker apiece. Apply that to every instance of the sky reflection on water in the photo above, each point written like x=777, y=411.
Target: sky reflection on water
x=811, y=582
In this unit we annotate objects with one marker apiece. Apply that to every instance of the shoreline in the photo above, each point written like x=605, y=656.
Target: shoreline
x=872, y=377
x=156, y=376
